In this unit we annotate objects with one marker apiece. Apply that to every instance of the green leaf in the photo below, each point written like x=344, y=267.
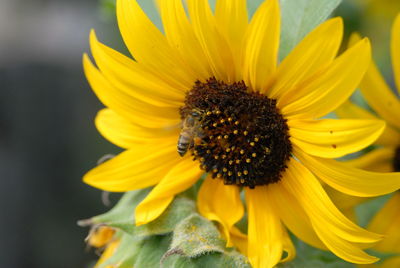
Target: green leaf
x=179, y=209
x=125, y=208
x=196, y=242
x=144, y=252
x=299, y=17
x=192, y=240
x=196, y=236
x=209, y=260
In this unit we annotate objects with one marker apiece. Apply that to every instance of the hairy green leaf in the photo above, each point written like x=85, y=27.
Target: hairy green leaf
x=209, y=260
x=196, y=236
x=179, y=209
x=196, y=242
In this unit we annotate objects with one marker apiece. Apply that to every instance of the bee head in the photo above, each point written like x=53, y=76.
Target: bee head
x=196, y=113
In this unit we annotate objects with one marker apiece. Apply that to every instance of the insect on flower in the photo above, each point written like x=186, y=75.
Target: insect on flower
x=191, y=132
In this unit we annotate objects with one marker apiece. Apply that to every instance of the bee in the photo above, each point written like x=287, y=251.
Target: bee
x=191, y=132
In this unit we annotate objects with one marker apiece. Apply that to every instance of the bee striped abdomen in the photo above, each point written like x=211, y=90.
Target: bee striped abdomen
x=184, y=141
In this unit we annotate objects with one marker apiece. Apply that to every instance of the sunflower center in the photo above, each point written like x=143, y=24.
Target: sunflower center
x=396, y=160
x=238, y=136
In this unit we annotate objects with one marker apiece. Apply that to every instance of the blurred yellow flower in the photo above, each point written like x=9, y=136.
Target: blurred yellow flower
x=386, y=158
x=100, y=237
x=211, y=86
x=108, y=253
x=379, y=8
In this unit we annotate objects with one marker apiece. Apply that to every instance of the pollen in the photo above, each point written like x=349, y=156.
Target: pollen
x=224, y=109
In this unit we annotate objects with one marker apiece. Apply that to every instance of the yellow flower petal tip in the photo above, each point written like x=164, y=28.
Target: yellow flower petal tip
x=333, y=25
x=101, y=236
x=145, y=213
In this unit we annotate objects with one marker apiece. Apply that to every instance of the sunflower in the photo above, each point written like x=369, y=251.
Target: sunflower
x=386, y=158
x=209, y=97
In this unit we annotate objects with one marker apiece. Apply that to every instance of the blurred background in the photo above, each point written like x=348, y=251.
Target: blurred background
x=47, y=136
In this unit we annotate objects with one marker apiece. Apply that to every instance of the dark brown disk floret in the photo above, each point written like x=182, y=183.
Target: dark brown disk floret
x=396, y=160
x=244, y=138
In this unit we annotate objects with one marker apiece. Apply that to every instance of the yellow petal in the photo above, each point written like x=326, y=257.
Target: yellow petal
x=344, y=201
x=387, y=222
x=125, y=134
x=331, y=138
x=139, y=167
x=337, y=232
x=110, y=250
x=294, y=216
x=180, y=35
x=232, y=21
x=378, y=94
x=326, y=91
x=389, y=137
x=288, y=247
x=178, y=179
x=375, y=160
x=316, y=51
x=265, y=231
x=261, y=48
x=342, y=248
x=239, y=240
x=349, y=110
x=150, y=47
x=131, y=108
x=349, y=180
x=133, y=78
x=395, y=50
x=215, y=46
x=220, y=203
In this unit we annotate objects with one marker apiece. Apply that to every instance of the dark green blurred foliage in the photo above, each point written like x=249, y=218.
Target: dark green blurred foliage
x=47, y=136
